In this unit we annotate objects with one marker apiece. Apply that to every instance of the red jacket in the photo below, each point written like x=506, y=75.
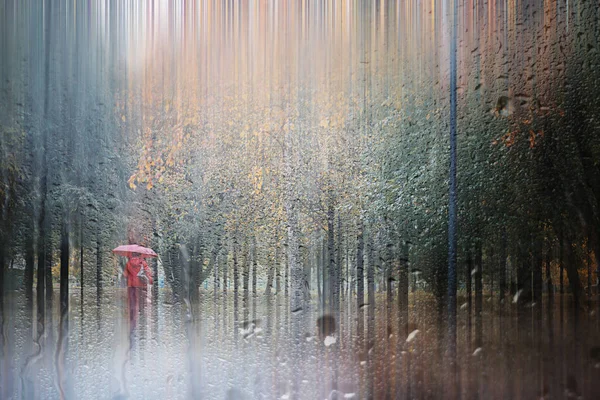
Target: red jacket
x=133, y=268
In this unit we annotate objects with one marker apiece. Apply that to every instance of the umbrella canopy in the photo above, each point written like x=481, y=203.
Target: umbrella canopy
x=127, y=250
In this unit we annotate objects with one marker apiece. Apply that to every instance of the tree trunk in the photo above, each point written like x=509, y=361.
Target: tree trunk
x=40, y=276
x=561, y=261
x=371, y=256
x=478, y=296
x=271, y=271
x=403, y=291
x=236, y=284
x=538, y=264
x=216, y=271
x=338, y=269
x=370, y=343
x=254, y=271
x=523, y=277
x=212, y=262
x=2, y=321
x=333, y=285
x=5, y=352
x=573, y=275
x=360, y=281
x=502, y=289
x=389, y=294
x=196, y=266
x=589, y=266
x=246, y=279
x=64, y=268
x=48, y=272
x=277, y=263
x=452, y=205
x=29, y=269
x=299, y=288
x=324, y=275
x=286, y=279
x=319, y=262
x=98, y=268
x=548, y=272
x=224, y=273
x=468, y=280
x=63, y=342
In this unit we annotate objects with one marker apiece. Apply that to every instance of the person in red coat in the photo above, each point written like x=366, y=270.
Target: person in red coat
x=139, y=276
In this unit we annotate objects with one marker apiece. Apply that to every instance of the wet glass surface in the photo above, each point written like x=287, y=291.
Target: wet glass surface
x=335, y=199
x=180, y=353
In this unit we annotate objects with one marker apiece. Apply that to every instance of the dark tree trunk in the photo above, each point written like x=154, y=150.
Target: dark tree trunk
x=212, y=262
x=246, y=279
x=236, y=285
x=271, y=272
x=48, y=273
x=338, y=269
x=468, y=280
x=403, y=291
x=40, y=276
x=173, y=271
x=5, y=353
x=81, y=267
x=573, y=275
x=478, y=296
x=548, y=272
x=452, y=205
x=389, y=295
x=63, y=342
x=286, y=278
x=333, y=285
x=371, y=279
x=360, y=282
x=64, y=268
x=277, y=263
x=324, y=275
x=225, y=272
x=196, y=266
x=29, y=269
x=370, y=343
x=254, y=271
x=597, y=256
x=589, y=266
x=561, y=262
x=492, y=263
x=524, y=277
x=216, y=271
x=502, y=266
x=319, y=262
x=99, y=251
x=2, y=267
x=538, y=264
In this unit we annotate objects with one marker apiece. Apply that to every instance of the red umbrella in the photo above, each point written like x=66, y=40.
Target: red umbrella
x=127, y=250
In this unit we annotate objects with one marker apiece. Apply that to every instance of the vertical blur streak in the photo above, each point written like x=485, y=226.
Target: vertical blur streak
x=63, y=333
x=4, y=375
x=452, y=204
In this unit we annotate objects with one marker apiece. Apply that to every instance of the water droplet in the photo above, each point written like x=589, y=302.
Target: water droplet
x=329, y=340
x=412, y=335
x=516, y=296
